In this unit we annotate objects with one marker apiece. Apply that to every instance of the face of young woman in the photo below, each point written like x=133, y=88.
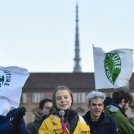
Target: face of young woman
x=63, y=100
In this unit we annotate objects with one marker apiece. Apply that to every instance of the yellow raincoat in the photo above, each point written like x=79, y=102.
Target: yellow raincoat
x=52, y=125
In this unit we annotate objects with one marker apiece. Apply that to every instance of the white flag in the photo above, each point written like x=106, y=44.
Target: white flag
x=112, y=69
x=12, y=79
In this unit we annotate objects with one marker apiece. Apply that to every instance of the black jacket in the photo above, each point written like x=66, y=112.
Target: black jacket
x=105, y=124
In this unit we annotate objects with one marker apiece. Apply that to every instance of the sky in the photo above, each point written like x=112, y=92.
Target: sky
x=39, y=35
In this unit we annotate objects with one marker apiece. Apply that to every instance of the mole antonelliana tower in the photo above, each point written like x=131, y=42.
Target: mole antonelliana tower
x=77, y=67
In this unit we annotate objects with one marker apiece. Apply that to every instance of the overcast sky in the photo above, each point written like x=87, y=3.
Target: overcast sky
x=39, y=35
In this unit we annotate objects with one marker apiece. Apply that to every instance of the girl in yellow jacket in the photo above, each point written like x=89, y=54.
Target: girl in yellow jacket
x=63, y=120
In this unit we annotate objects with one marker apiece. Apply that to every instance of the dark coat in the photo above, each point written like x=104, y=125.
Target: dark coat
x=105, y=125
x=34, y=126
x=6, y=126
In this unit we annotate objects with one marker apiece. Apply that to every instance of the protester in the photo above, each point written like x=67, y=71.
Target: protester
x=13, y=122
x=64, y=120
x=98, y=121
x=116, y=110
x=45, y=107
x=107, y=101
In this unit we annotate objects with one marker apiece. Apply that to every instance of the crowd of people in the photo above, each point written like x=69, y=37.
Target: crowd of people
x=106, y=115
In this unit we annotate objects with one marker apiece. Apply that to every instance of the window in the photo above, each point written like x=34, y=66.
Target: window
x=79, y=97
x=24, y=98
x=36, y=97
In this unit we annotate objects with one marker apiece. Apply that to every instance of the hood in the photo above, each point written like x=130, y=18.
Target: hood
x=112, y=108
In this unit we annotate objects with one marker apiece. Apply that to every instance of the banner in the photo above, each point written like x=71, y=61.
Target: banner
x=112, y=69
x=12, y=79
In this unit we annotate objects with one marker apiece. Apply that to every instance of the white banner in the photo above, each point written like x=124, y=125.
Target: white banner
x=112, y=69
x=12, y=79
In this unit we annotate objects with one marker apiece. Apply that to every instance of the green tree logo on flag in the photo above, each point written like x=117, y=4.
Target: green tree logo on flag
x=112, y=65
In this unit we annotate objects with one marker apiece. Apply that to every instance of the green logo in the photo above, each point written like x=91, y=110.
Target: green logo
x=112, y=65
x=5, y=78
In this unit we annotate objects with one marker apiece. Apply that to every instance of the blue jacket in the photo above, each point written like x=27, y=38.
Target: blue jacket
x=105, y=125
x=7, y=128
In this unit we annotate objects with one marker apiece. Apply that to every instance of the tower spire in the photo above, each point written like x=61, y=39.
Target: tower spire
x=77, y=67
